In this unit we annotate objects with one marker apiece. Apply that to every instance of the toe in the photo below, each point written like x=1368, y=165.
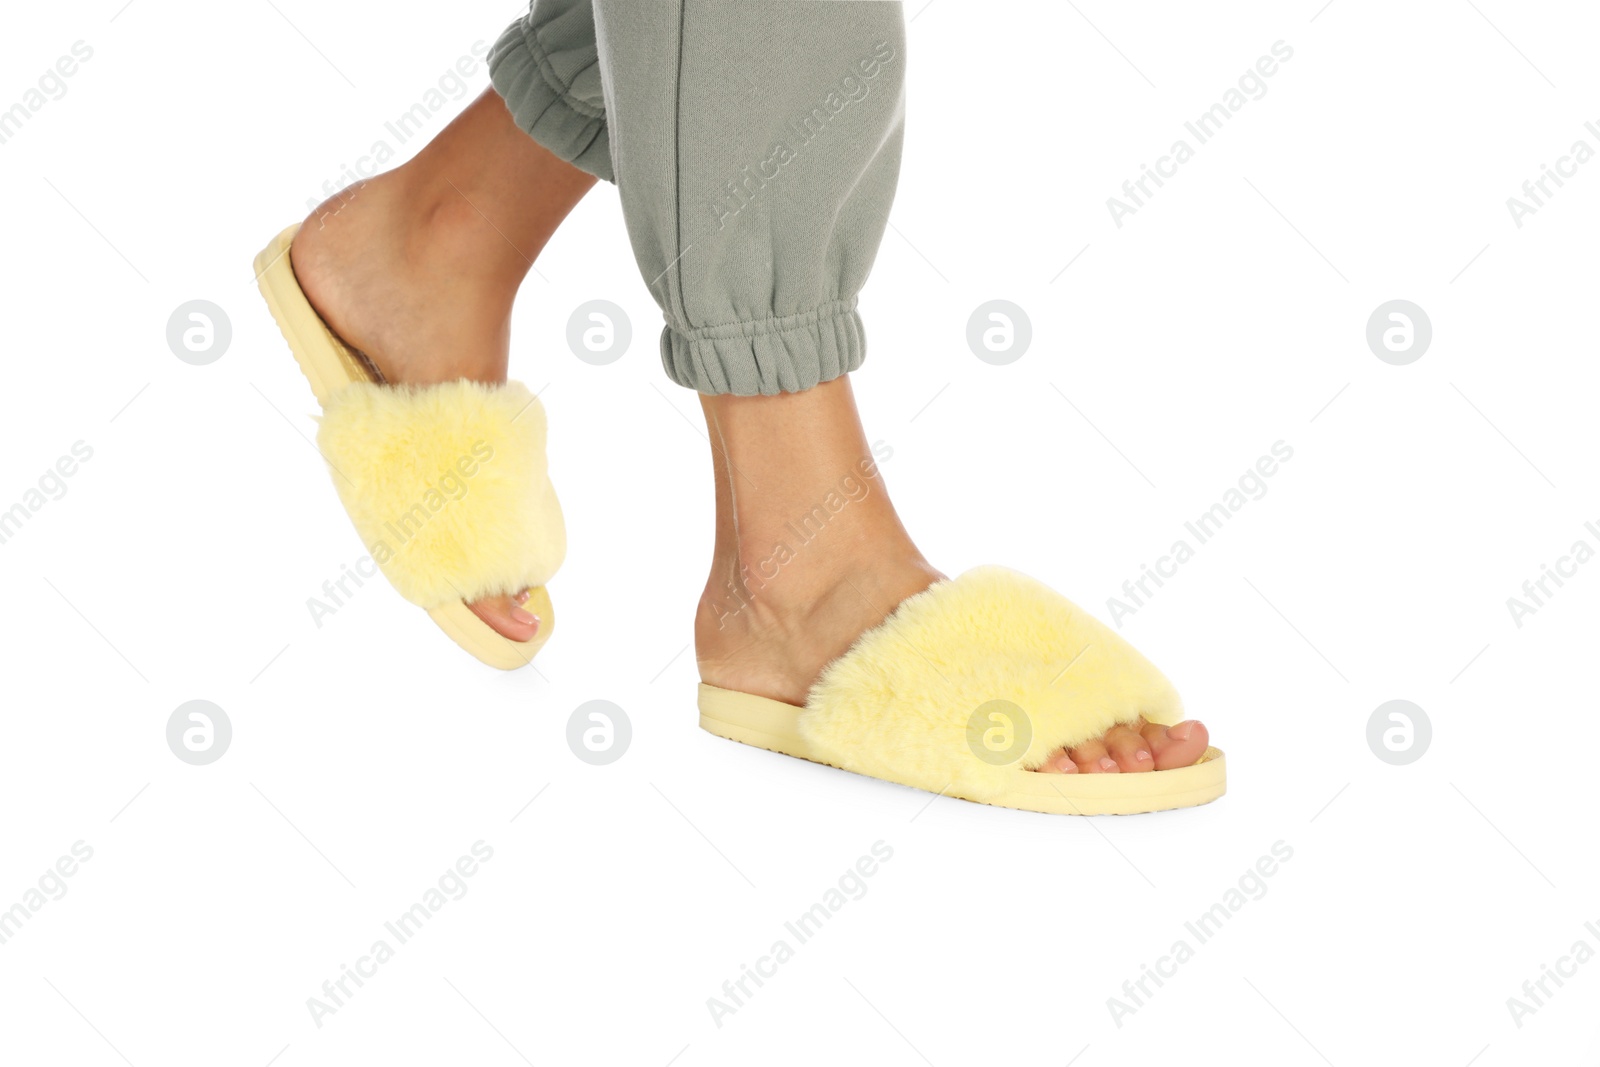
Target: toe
x=1176, y=746
x=1092, y=758
x=1058, y=762
x=507, y=616
x=1125, y=745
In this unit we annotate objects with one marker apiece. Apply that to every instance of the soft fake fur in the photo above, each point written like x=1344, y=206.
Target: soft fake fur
x=447, y=485
x=899, y=703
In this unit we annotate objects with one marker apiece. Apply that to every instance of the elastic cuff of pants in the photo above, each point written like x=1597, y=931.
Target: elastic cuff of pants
x=767, y=357
x=541, y=105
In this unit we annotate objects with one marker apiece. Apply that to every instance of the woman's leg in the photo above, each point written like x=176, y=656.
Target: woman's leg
x=809, y=551
x=418, y=267
x=810, y=554
x=756, y=148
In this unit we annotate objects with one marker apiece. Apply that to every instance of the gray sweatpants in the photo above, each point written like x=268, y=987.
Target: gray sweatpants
x=755, y=145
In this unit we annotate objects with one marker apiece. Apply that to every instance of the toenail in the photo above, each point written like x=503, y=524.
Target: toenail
x=1141, y=755
x=527, y=618
x=1182, y=730
x=1107, y=763
x=522, y=597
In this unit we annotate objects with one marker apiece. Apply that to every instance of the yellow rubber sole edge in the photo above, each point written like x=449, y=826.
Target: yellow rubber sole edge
x=328, y=363
x=774, y=725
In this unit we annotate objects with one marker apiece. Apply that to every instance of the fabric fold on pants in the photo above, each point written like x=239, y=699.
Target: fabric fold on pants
x=755, y=147
x=549, y=76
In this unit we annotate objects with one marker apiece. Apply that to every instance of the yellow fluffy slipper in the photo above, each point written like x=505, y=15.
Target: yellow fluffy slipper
x=447, y=485
x=965, y=689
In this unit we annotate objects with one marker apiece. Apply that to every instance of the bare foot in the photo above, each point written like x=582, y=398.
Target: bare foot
x=418, y=268
x=1136, y=746
x=810, y=554
x=396, y=284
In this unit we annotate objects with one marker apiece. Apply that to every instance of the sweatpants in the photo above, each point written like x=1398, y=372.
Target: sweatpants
x=755, y=146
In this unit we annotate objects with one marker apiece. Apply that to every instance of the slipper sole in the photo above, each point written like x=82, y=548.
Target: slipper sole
x=774, y=725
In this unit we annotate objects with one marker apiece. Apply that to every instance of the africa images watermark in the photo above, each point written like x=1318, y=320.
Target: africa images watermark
x=52, y=485
x=1537, y=190
x=451, y=885
x=1137, y=592
x=1251, y=885
x=1202, y=128
x=1536, y=991
x=851, y=885
x=1537, y=591
x=741, y=590
x=450, y=486
x=51, y=85
x=51, y=885
x=450, y=85
x=853, y=88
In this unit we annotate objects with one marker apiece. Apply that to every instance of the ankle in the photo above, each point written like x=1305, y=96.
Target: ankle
x=771, y=632
x=421, y=229
x=396, y=271
x=443, y=234
x=781, y=586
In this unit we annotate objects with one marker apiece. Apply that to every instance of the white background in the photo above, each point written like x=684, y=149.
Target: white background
x=1228, y=314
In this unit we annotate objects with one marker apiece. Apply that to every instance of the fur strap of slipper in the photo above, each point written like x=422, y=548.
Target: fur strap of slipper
x=448, y=486
x=973, y=678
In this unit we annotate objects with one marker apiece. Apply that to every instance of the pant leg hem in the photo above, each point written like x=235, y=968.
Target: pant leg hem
x=768, y=356
x=572, y=129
